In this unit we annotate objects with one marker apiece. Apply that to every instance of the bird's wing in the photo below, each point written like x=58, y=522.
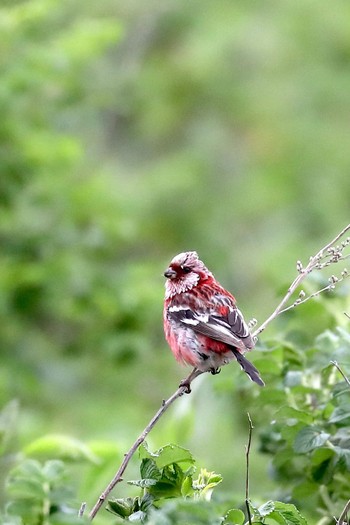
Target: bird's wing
x=229, y=328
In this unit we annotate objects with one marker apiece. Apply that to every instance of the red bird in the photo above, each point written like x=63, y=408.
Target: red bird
x=202, y=324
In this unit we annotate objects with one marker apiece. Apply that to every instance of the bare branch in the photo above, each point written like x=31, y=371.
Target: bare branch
x=331, y=243
x=183, y=388
x=347, y=380
x=327, y=288
x=82, y=509
x=342, y=517
x=247, y=452
x=330, y=254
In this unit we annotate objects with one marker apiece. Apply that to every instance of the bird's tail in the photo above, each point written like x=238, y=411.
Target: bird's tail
x=249, y=369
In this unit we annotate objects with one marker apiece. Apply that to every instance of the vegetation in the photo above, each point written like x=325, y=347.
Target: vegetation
x=130, y=132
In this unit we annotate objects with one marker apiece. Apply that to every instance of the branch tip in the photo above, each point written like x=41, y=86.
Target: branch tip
x=340, y=370
x=330, y=254
x=82, y=509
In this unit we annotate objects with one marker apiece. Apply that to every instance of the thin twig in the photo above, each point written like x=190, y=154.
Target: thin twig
x=343, y=515
x=347, y=315
x=347, y=380
x=184, y=387
x=247, y=452
x=314, y=263
x=303, y=273
x=302, y=301
x=82, y=509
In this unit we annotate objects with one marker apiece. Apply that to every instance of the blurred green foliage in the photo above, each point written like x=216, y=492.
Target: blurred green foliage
x=129, y=132
x=303, y=419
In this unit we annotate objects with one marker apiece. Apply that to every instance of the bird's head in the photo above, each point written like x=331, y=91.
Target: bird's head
x=184, y=272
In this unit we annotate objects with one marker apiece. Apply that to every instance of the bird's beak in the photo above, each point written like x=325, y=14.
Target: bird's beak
x=170, y=273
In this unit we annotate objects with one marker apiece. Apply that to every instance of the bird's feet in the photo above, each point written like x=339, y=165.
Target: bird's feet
x=185, y=383
x=188, y=380
x=215, y=371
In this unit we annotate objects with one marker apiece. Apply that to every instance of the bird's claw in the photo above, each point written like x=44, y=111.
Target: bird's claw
x=187, y=386
x=215, y=371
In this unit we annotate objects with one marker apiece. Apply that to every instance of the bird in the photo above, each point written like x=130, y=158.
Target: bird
x=202, y=324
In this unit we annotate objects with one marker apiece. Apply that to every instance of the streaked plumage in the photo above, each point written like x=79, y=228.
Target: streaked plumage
x=202, y=324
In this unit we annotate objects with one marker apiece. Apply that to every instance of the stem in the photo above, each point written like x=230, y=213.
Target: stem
x=347, y=380
x=184, y=387
x=298, y=280
x=247, y=452
x=342, y=516
x=326, y=499
x=82, y=509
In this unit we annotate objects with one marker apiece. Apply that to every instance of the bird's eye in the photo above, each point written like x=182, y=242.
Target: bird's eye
x=186, y=269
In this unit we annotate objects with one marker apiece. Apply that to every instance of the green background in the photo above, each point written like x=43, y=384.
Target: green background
x=132, y=131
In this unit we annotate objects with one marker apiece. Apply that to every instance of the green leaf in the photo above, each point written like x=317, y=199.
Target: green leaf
x=306, y=489
x=173, y=473
x=165, y=489
x=143, y=483
x=132, y=509
x=149, y=469
x=341, y=390
x=289, y=514
x=186, y=487
x=146, y=502
x=170, y=484
x=167, y=455
x=344, y=456
x=323, y=465
x=27, y=481
x=267, y=366
x=60, y=447
x=309, y=438
x=53, y=470
x=26, y=489
x=122, y=507
x=289, y=432
x=282, y=458
x=266, y=508
x=293, y=354
x=271, y=396
x=342, y=438
x=35, y=489
x=29, y=510
x=150, y=474
x=327, y=341
x=139, y=515
x=327, y=411
x=321, y=455
x=341, y=413
x=234, y=517
x=30, y=468
x=292, y=414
